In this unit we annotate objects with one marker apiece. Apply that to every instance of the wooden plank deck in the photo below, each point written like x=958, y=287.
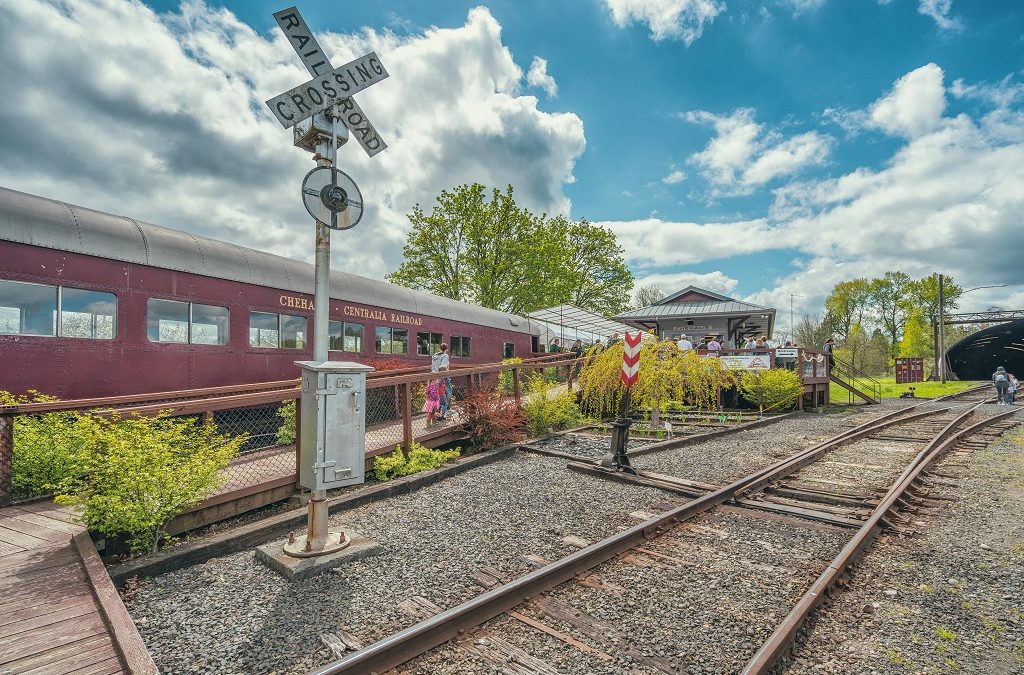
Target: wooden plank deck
x=59, y=612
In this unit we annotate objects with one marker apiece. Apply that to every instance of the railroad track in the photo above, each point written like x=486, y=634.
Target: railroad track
x=725, y=578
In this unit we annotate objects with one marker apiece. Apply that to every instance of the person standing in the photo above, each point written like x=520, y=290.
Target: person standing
x=1011, y=391
x=440, y=363
x=577, y=353
x=713, y=344
x=829, y=346
x=1002, y=381
x=684, y=343
x=555, y=347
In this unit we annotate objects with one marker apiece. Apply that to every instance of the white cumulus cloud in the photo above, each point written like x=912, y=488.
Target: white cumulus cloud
x=914, y=106
x=538, y=77
x=743, y=155
x=168, y=124
x=667, y=19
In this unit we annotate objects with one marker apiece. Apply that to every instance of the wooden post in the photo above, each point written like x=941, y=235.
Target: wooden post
x=6, y=456
x=515, y=385
x=407, y=421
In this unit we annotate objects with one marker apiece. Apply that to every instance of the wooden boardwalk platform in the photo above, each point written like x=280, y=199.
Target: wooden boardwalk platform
x=59, y=611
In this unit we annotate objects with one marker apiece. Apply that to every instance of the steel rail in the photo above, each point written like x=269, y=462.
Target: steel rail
x=784, y=635
x=955, y=395
x=410, y=642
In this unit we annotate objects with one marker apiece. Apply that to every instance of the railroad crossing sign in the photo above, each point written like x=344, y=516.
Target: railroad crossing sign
x=330, y=86
x=630, y=358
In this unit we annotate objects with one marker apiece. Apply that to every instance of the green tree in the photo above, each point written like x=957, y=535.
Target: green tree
x=917, y=336
x=491, y=252
x=846, y=304
x=593, y=272
x=485, y=251
x=890, y=298
x=925, y=296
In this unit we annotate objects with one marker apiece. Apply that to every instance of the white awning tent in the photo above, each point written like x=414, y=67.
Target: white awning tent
x=569, y=323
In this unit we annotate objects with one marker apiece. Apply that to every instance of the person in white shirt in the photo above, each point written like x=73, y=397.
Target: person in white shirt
x=714, y=345
x=684, y=344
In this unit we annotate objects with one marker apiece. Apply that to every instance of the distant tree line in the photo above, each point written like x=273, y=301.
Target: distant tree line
x=478, y=246
x=874, y=321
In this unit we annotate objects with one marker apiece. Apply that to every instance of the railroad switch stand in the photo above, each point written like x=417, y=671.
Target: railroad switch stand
x=616, y=457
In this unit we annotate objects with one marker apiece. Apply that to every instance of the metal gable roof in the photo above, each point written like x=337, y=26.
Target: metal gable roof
x=37, y=221
x=693, y=309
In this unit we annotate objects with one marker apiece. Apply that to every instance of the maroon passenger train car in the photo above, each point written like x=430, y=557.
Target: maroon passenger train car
x=93, y=304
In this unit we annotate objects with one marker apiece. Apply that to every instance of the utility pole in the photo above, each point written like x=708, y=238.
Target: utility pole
x=792, y=331
x=942, y=334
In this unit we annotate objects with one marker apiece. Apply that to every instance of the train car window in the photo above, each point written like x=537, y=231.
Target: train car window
x=460, y=346
x=335, y=335
x=28, y=309
x=293, y=331
x=167, y=321
x=209, y=324
x=264, y=330
x=399, y=341
x=427, y=344
x=391, y=340
x=509, y=351
x=345, y=337
x=382, y=340
x=88, y=314
x=353, y=337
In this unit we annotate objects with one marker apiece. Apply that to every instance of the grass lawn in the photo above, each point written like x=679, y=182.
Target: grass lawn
x=892, y=390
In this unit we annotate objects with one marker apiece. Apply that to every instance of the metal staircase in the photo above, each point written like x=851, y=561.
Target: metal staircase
x=855, y=382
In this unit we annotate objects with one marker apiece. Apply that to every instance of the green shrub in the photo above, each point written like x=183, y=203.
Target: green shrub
x=506, y=381
x=144, y=471
x=776, y=389
x=286, y=432
x=49, y=448
x=394, y=465
x=546, y=412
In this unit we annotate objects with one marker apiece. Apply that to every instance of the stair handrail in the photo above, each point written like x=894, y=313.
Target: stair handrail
x=847, y=371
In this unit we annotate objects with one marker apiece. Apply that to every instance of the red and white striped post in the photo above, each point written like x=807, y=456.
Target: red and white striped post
x=617, y=458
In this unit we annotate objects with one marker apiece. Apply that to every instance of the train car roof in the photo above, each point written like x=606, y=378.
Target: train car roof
x=38, y=221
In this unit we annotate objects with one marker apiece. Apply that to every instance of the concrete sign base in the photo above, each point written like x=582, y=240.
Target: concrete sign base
x=296, y=569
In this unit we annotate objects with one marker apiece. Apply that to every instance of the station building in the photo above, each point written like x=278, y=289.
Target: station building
x=698, y=312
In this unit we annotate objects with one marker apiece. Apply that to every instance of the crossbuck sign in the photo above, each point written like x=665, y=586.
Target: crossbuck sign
x=329, y=87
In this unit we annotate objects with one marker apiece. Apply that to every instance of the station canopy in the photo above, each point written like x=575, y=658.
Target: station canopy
x=571, y=323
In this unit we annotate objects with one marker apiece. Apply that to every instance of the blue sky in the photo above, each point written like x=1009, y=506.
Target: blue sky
x=759, y=148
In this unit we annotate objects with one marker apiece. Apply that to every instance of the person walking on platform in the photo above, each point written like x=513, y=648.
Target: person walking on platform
x=1002, y=381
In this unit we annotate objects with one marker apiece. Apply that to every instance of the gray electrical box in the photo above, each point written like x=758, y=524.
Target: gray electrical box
x=332, y=424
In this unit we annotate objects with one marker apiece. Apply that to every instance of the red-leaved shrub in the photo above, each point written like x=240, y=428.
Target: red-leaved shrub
x=492, y=420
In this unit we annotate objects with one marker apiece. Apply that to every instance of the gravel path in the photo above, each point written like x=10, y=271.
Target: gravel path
x=233, y=615
x=948, y=600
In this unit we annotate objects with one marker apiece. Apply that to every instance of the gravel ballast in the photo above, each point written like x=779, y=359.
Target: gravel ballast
x=233, y=615
x=948, y=599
